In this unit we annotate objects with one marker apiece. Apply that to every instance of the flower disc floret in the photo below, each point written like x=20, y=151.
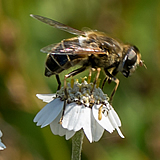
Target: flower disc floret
x=83, y=94
x=86, y=108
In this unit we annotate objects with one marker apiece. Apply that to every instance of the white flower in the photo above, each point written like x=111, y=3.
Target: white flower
x=84, y=110
x=2, y=146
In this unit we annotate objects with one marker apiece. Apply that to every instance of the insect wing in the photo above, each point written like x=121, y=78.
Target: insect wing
x=88, y=51
x=48, y=48
x=70, y=47
x=58, y=25
x=76, y=51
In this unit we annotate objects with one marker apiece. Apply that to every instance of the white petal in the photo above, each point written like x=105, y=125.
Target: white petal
x=97, y=130
x=120, y=133
x=104, y=122
x=80, y=119
x=56, y=127
x=114, y=123
x=69, y=134
x=46, y=97
x=2, y=146
x=87, y=123
x=46, y=115
x=71, y=115
x=1, y=134
x=115, y=115
x=112, y=120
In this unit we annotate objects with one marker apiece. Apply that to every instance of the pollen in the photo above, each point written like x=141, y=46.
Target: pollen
x=72, y=83
x=89, y=76
x=97, y=83
x=84, y=93
x=100, y=112
x=83, y=79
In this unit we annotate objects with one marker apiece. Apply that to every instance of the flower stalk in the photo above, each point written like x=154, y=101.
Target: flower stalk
x=77, y=141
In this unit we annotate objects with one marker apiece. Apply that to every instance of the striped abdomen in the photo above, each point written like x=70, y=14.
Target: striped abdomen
x=59, y=59
x=55, y=64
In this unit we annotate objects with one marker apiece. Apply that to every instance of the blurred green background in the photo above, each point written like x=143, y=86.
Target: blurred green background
x=137, y=100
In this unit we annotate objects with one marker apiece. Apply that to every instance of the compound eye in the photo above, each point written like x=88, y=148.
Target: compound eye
x=130, y=59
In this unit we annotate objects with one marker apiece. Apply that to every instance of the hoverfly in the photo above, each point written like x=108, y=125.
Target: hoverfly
x=89, y=49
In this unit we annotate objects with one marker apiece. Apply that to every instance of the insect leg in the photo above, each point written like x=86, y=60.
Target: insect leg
x=114, y=79
x=90, y=74
x=97, y=76
x=113, y=73
x=115, y=88
x=59, y=82
x=71, y=74
x=104, y=81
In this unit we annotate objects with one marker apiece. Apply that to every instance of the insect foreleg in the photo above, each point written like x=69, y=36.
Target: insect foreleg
x=112, y=73
x=114, y=79
x=115, y=88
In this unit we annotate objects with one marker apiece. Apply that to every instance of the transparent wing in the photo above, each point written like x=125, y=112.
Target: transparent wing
x=70, y=49
x=48, y=48
x=76, y=51
x=58, y=25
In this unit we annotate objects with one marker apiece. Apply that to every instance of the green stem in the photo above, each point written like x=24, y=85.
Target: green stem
x=77, y=142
